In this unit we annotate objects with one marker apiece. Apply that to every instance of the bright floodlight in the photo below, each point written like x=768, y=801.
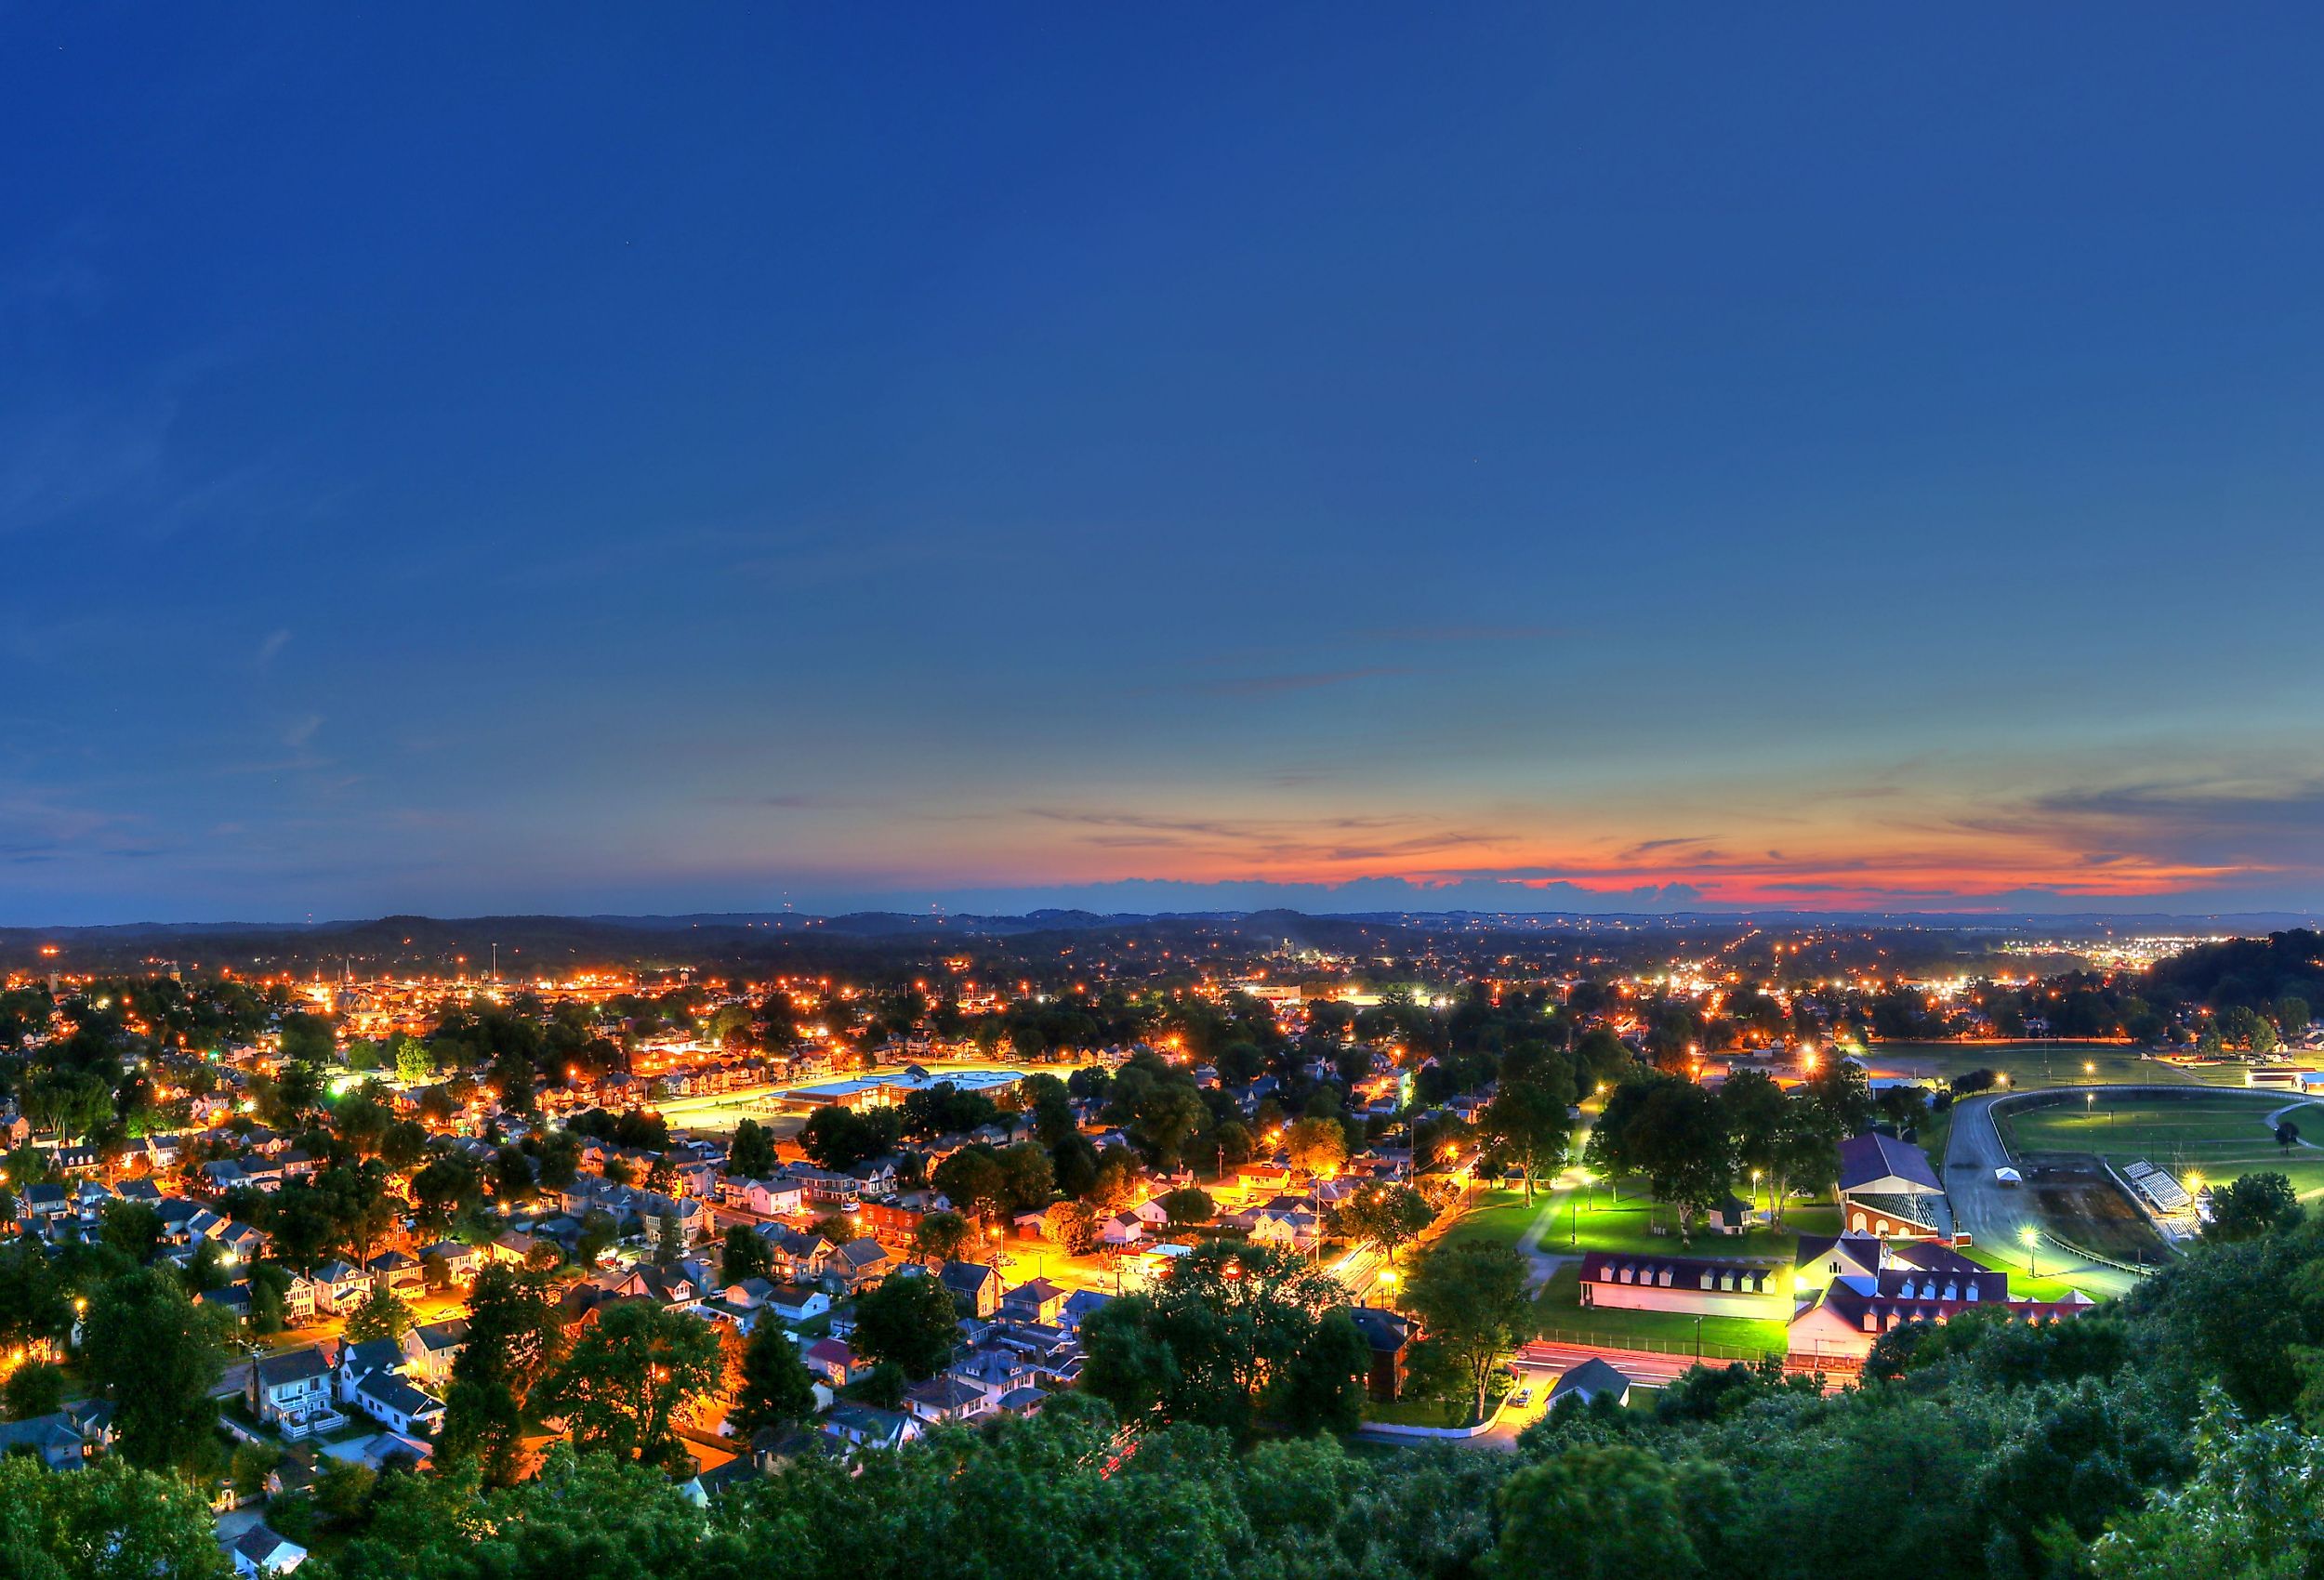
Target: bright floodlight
x=2030, y=1234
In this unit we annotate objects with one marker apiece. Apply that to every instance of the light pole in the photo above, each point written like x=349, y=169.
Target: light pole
x=2032, y=1237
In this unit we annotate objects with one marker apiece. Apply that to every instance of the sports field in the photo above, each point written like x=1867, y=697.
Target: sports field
x=2218, y=1134
x=2041, y=1064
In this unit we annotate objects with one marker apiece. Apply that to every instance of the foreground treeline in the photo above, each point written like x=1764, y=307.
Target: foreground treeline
x=2172, y=1437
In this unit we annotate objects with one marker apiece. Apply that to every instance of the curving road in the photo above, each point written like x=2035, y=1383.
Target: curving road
x=1992, y=1216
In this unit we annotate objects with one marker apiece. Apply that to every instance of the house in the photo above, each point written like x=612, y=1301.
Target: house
x=460, y=1261
x=242, y=1242
x=797, y=1303
x=514, y=1248
x=373, y=1357
x=1078, y=1307
x=1293, y=1226
x=1591, y=1381
x=1822, y=1257
x=1121, y=1229
x=798, y=1256
x=383, y=1449
x=992, y=1370
x=260, y=1551
x=294, y=1393
x=1024, y=1401
x=1852, y=1312
x=1037, y=1301
x=859, y=1264
x=768, y=1198
x=1695, y=1286
x=429, y=1350
x=398, y=1271
x=397, y=1406
x=831, y=1360
x=55, y=1441
x=1887, y=1188
x=854, y=1426
x=945, y=1399
x=1389, y=1336
x=974, y=1287
x=340, y=1288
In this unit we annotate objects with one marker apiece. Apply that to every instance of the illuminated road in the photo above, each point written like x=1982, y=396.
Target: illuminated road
x=1994, y=1216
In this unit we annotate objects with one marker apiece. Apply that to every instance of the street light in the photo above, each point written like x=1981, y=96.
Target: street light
x=2032, y=1237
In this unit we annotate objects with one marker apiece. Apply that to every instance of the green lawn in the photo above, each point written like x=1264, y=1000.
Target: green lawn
x=1418, y=1412
x=1630, y=1224
x=2026, y=1064
x=1561, y=1315
x=2021, y=1286
x=1502, y=1215
x=2219, y=1133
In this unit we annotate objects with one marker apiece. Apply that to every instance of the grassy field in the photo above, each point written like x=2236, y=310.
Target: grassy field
x=1418, y=1412
x=2039, y=1064
x=1597, y=1222
x=1560, y=1314
x=1498, y=1214
x=2218, y=1134
x=2022, y=1287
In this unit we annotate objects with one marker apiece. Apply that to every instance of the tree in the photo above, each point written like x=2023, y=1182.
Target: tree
x=111, y=1522
x=751, y=1155
x=2252, y=1206
x=155, y=1354
x=1385, y=1216
x=973, y=1182
x=775, y=1387
x=133, y=1229
x=1164, y=1117
x=910, y=1320
x=34, y=1389
x=628, y=1376
x=2249, y=1511
x=382, y=1315
x=1594, y=1513
x=669, y=1238
x=598, y=1231
x=1678, y=1139
x=514, y=1339
x=1528, y=1124
x=841, y=1137
x=1188, y=1204
x=1075, y=1225
x=745, y=1254
x=1316, y=1146
x=413, y=1065
x=441, y=1190
x=1474, y=1299
x=1219, y=1341
x=941, y=1236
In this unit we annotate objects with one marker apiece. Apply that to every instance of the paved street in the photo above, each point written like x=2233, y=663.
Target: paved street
x=1994, y=1216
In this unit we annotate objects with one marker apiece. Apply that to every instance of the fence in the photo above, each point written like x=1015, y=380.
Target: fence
x=1706, y=1349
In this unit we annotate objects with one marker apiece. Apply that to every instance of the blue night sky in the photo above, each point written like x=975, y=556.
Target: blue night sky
x=625, y=458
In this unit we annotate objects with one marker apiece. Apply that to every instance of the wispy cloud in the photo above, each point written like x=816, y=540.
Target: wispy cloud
x=271, y=648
